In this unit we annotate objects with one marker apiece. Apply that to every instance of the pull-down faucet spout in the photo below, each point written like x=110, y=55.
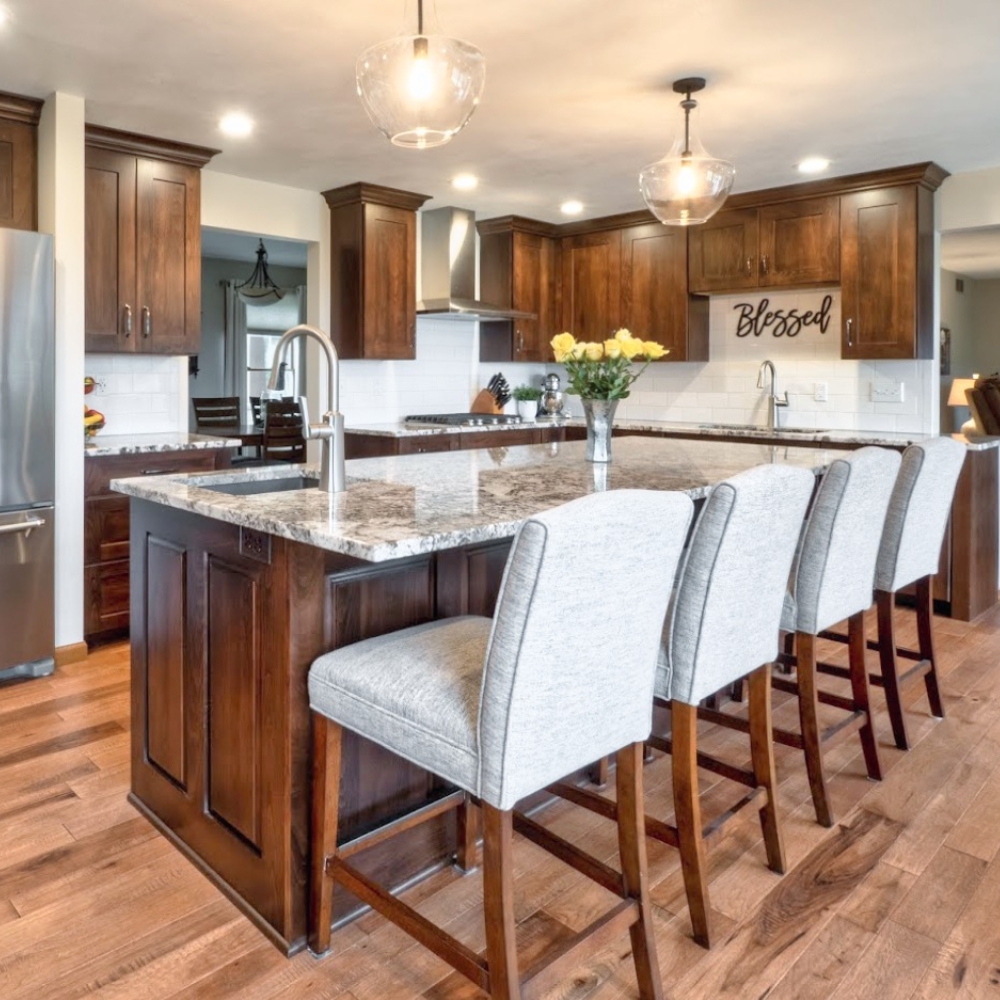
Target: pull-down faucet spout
x=773, y=399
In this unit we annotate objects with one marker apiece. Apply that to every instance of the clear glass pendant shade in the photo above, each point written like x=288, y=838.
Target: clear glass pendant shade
x=420, y=90
x=688, y=186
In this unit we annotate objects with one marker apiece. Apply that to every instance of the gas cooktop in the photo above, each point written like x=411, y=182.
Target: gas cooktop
x=460, y=420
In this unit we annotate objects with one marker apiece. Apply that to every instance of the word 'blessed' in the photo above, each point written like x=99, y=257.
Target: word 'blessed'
x=756, y=319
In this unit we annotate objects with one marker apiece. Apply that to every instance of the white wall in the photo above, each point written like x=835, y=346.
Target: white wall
x=970, y=200
x=60, y=212
x=724, y=389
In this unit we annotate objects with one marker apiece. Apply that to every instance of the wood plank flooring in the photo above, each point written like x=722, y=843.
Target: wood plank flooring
x=899, y=901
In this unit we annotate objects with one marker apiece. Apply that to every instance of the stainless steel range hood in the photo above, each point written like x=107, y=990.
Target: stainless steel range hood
x=448, y=269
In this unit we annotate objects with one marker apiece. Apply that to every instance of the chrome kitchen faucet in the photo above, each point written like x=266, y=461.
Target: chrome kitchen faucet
x=773, y=399
x=332, y=478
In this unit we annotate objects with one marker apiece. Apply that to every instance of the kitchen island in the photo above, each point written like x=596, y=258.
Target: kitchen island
x=236, y=595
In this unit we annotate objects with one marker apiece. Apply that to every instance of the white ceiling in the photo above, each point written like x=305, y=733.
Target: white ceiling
x=972, y=252
x=577, y=94
x=227, y=245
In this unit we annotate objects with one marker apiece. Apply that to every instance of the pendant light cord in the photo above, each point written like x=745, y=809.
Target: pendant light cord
x=688, y=105
x=420, y=17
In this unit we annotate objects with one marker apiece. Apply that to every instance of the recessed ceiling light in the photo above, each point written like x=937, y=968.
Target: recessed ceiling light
x=813, y=165
x=236, y=125
x=465, y=182
x=571, y=207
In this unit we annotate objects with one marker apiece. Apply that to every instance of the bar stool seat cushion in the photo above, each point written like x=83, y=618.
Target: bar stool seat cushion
x=415, y=692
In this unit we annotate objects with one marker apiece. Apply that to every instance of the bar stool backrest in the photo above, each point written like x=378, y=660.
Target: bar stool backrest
x=726, y=614
x=835, y=571
x=918, y=512
x=571, y=658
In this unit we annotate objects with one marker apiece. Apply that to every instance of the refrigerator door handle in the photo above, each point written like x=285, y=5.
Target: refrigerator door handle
x=25, y=526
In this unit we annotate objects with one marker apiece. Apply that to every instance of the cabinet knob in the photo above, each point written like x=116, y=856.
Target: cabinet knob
x=147, y=321
x=128, y=320
x=850, y=338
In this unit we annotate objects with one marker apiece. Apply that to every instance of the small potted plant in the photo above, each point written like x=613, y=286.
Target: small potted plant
x=527, y=397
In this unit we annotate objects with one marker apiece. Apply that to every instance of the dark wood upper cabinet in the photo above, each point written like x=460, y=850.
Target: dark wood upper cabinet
x=143, y=243
x=655, y=303
x=722, y=253
x=591, y=284
x=19, y=161
x=799, y=243
x=373, y=261
x=886, y=239
x=519, y=270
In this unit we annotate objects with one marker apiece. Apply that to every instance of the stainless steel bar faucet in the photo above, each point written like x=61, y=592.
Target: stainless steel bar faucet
x=773, y=399
x=332, y=478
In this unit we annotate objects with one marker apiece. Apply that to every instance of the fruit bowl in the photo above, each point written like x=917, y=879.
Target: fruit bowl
x=89, y=385
x=93, y=421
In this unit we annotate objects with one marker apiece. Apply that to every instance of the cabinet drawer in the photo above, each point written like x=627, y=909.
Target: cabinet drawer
x=100, y=471
x=106, y=597
x=498, y=439
x=426, y=444
x=105, y=529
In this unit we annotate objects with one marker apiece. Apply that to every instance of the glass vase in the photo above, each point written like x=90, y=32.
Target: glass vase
x=600, y=414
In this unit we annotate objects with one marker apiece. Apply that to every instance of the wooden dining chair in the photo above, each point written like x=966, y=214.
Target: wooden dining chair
x=212, y=412
x=284, y=440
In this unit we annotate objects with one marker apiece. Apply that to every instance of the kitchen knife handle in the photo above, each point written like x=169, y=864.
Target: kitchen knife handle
x=147, y=321
x=128, y=320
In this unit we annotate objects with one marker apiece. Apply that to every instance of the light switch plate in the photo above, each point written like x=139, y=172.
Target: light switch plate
x=820, y=392
x=887, y=391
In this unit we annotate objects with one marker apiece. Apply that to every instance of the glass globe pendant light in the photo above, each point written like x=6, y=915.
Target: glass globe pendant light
x=688, y=186
x=420, y=90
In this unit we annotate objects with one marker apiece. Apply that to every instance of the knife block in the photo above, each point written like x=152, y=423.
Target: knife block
x=484, y=403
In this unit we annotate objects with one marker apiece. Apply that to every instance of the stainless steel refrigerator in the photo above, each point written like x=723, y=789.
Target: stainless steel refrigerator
x=27, y=454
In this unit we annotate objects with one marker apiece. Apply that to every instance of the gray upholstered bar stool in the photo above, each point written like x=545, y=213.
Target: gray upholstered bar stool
x=833, y=582
x=722, y=627
x=910, y=553
x=486, y=705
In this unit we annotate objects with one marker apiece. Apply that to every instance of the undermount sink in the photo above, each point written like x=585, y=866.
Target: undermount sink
x=251, y=487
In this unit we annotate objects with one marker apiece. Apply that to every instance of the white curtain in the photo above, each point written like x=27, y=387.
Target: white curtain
x=234, y=382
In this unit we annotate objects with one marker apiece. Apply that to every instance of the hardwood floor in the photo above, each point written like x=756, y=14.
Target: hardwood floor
x=898, y=901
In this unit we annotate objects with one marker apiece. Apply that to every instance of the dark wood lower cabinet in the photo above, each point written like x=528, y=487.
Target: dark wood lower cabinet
x=222, y=642
x=361, y=445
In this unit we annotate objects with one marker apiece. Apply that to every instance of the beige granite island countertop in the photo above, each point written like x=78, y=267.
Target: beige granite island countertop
x=141, y=444
x=406, y=505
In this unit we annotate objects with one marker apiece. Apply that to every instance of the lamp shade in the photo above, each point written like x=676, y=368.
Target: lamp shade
x=421, y=90
x=957, y=395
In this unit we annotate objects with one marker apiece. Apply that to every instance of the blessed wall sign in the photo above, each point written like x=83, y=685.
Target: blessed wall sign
x=757, y=318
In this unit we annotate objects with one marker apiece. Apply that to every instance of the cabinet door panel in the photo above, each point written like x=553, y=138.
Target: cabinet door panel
x=592, y=285
x=106, y=529
x=18, y=175
x=655, y=301
x=878, y=273
x=106, y=598
x=168, y=268
x=722, y=253
x=390, y=283
x=800, y=243
x=534, y=290
x=110, y=309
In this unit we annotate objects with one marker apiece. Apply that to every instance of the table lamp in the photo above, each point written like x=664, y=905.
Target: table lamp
x=957, y=397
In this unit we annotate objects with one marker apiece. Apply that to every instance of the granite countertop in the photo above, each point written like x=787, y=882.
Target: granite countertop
x=137, y=444
x=411, y=504
x=891, y=439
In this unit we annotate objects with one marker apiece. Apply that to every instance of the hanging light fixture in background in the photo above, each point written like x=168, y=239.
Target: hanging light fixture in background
x=687, y=186
x=420, y=90
x=259, y=288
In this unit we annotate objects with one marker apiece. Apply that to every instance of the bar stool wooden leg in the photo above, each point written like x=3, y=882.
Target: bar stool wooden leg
x=687, y=810
x=466, y=835
x=925, y=617
x=762, y=754
x=599, y=771
x=325, y=807
x=498, y=903
x=805, y=648
x=632, y=848
x=857, y=653
x=890, y=671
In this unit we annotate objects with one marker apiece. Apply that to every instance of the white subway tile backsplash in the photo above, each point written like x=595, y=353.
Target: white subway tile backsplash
x=143, y=394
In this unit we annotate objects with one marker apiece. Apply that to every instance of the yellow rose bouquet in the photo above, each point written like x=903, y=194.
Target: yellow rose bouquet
x=604, y=371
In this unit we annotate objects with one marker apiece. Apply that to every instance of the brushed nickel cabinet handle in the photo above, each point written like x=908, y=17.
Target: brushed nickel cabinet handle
x=850, y=338
x=749, y=266
x=764, y=264
x=128, y=320
x=147, y=321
